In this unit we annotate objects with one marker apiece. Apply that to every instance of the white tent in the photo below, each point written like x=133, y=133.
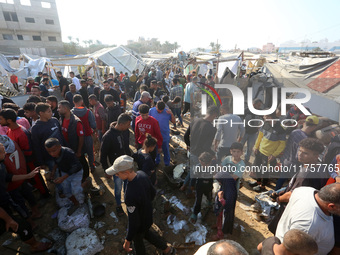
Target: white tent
x=118, y=57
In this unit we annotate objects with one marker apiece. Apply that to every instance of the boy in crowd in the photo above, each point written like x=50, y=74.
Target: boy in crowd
x=122, y=98
x=295, y=241
x=138, y=199
x=89, y=124
x=46, y=127
x=146, y=124
x=236, y=151
x=71, y=172
x=30, y=113
x=204, y=185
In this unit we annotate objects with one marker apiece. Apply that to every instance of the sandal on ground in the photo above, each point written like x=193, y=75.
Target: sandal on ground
x=41, y=247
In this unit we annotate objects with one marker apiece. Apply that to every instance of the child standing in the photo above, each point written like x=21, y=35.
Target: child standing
x=70, y=172
x=144, y=159
x=225, y=203
x=203, y=185
x=238, y=165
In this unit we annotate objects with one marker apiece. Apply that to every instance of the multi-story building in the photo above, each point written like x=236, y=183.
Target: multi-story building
x=268, y=48
x=30, y=26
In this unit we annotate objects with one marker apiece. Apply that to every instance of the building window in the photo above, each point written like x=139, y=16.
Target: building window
x=10, y=16
x=29, y=20
x=36, y=38
x=46, y=5
x=49, y=21
x=7, y=37
x=20, y=37
x=7, y=1
x=52, y=38
x=25, y=2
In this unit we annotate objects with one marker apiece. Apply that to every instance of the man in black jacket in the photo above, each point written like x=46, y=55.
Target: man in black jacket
x=138, y=199
x=115, y=143
x=109, y=91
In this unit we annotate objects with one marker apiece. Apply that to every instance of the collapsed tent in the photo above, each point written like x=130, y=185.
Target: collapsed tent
x=119, y=58
x=318, y=75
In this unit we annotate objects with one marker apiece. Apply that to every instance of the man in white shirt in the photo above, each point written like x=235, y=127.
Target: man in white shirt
x=75, y=80
x=311, y=211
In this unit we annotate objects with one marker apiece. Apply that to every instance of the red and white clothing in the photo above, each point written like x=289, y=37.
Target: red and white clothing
x=148, y=126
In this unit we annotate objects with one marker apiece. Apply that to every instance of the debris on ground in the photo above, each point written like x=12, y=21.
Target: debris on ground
x=83, y=241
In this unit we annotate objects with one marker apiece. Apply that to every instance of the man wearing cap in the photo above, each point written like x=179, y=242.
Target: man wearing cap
x=138, y=199
x=63, y=83
x=144, y=99
x=290, y=157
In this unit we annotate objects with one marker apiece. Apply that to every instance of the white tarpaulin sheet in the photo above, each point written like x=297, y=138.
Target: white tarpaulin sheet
x=232, y=65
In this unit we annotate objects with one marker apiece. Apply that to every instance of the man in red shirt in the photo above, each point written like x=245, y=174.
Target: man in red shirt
x=146, y=124
x=22, y=137
x=73, y=132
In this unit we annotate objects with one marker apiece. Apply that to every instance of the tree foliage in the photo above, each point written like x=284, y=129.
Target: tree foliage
x=73, y=47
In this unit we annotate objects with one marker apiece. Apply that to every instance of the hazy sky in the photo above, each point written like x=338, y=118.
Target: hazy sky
x=192, y=24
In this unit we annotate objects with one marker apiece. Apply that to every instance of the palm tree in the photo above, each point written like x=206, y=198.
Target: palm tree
x=212, y=45
x=217, y=47
x=176, y=46
x=90, y=42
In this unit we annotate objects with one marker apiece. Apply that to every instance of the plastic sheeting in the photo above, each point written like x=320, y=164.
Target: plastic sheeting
x=4, y=65
x=232, y=65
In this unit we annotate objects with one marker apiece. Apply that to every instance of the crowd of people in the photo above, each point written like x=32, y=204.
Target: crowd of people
x=58, y=135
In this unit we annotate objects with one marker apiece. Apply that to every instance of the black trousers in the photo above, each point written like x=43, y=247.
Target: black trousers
x=203, y=187
x=187, y=107
x=262, y=160
x=152, y=237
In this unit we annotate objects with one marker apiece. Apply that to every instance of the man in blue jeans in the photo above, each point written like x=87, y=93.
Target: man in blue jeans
x=115, y=143
x=163, y=116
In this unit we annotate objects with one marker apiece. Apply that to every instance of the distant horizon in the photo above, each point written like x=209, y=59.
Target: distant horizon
x=194, y=24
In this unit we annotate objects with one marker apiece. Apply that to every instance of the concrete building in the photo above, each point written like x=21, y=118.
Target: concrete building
x=307, y=45
x=30, y=26
x=268, y=48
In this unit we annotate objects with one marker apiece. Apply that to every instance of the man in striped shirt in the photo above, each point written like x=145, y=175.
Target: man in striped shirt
x=177, y=90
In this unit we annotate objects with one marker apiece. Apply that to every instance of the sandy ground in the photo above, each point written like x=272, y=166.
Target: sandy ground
x=248, y=231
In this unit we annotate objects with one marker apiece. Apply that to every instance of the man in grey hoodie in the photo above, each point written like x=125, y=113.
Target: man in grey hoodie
x=89, y=123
